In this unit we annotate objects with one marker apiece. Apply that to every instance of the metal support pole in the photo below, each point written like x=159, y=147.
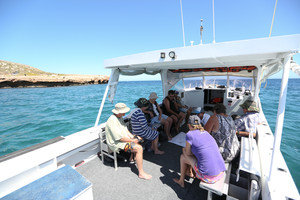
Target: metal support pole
x=214, y=40
x=103, y=101
x=228, y=83
x=257, y=84
x=280, y=114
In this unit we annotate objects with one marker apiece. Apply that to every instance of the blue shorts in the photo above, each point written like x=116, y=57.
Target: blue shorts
x=155, y=119
x=184, y=110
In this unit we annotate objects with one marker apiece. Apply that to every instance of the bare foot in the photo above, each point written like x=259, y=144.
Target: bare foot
x=159, y=152
x=169, y=137
x=132, y=161
x=176, y=180
x=190, y=174
x=145, y=176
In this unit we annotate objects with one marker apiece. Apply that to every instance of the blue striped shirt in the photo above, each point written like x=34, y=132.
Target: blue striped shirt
x=140, y=126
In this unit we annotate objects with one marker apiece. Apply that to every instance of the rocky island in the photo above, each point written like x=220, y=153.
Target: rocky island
x=14, y=75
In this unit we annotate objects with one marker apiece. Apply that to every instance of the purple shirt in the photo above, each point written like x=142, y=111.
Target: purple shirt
x=205, y=148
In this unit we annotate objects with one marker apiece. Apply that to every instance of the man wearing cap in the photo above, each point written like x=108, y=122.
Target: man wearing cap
x=204, y=117
x=118, y=137
x=201, y=153
x=249, y=120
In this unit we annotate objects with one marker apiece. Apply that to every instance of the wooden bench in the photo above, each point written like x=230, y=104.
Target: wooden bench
x=64, y=183
x=221, y=186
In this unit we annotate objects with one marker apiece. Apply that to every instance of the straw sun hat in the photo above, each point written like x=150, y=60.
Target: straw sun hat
x=120, y=108
x=153, y=95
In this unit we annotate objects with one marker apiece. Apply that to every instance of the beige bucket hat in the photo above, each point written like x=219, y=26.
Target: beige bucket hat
x=153, y=95
x=120, y=108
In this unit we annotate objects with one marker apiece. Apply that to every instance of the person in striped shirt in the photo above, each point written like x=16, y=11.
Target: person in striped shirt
x=140, y=126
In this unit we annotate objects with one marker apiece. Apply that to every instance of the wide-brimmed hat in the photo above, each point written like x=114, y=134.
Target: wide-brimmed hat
x=250, y=106
x=153, y=95
x=120, y=108
x=194, y=120
x=141, y=102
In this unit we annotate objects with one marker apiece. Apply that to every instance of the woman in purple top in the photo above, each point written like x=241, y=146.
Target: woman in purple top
x=202, y=153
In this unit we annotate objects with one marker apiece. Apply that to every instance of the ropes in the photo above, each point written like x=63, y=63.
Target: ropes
x=273, y=19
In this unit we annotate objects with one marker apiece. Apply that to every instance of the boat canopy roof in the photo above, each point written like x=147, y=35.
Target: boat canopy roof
x=255, y=58
x=268, y=54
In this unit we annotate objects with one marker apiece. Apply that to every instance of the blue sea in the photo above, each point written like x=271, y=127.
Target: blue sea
x=33, y=115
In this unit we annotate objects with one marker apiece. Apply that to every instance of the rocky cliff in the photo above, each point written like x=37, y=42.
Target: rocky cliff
x=14, y=75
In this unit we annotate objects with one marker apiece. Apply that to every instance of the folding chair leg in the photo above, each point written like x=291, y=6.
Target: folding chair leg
x=102, y=157
x=115, y=161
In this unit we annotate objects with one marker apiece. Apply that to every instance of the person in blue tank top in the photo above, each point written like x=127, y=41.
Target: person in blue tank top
x=201, y=153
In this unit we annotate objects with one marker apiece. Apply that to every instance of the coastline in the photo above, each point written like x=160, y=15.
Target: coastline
x=53, y=80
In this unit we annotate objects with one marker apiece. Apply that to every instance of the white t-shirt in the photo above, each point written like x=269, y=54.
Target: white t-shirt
x=205, y=118
x=155, y=109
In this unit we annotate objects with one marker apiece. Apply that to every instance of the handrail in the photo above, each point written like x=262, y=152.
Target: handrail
x=250, y=149
x=280, y=113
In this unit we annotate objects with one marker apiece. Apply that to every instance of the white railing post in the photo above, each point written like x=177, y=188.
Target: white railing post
x=103, y=100
x=257, y=84
x=280, y=114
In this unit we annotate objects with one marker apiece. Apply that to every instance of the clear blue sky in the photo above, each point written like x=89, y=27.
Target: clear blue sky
x=75, y=36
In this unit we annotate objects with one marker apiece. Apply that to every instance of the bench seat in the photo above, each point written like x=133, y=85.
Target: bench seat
x=64, y=183
x=221, y=186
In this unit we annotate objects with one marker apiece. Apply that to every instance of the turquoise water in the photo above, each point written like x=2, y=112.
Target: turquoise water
x=33, y=115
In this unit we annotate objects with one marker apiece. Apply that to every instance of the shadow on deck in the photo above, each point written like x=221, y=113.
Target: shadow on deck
x=125, y=184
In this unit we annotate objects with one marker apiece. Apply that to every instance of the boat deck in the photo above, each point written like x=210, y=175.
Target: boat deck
x=125, y=184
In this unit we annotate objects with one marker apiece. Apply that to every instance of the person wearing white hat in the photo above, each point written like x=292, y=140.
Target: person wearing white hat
x=157, y=116
x=118, y=137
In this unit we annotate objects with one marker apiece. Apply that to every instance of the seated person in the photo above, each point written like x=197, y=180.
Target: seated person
x=140, y=126
x=201, y=152
x=249, y=120
x=118, y=137
x=156, y=115
x=181, y=107
x=170, y=109
x=222, y=128
x=204, y=117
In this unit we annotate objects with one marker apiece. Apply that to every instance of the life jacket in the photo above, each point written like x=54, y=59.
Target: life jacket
x=172, y=106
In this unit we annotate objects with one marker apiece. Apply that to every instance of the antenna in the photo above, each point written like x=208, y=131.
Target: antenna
x=214, y=41
x=201, y=30
x=182, y=24
x=273, y=19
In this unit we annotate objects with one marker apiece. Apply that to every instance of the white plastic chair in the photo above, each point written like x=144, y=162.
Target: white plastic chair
x=105, y=150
